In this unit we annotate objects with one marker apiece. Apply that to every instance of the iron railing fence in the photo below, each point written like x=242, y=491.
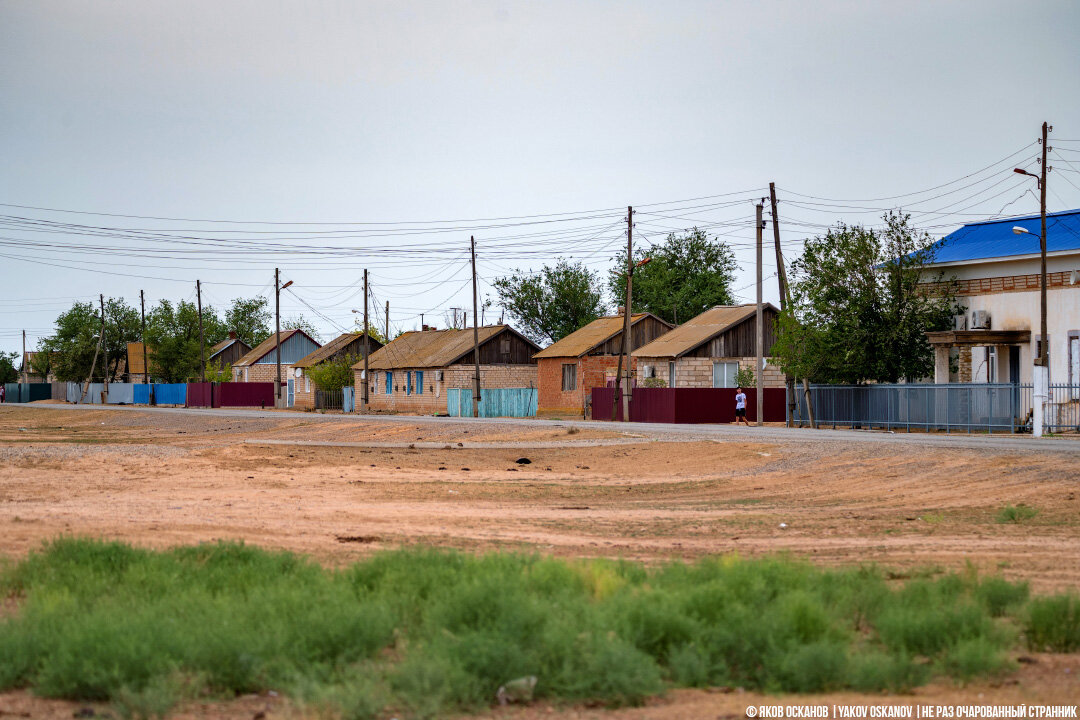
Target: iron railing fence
x=329, y=399
x=1062, y=410
x=954, y=407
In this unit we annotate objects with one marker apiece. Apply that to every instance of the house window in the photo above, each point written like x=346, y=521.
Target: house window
x=723, y=374
x=1074, y=364
x=671, y=374
x=389, y=382
x=419, y=382
x=307, y=384
x=569, y=377
x=408, y=383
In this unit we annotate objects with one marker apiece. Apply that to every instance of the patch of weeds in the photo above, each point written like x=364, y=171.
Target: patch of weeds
x=1016, y=514
x=975, y=658
x=999, y=596
x=932, y=518
x=1053, y=624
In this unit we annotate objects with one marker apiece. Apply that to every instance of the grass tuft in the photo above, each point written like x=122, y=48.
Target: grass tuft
x=1016, y=514
x=426, y=633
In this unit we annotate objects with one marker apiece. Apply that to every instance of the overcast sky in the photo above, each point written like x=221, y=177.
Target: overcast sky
x=402, y=112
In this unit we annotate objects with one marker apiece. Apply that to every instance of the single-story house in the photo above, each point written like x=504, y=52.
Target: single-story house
x=569, y=369
x=997, y=274
x=260, y=365
x=413, y=372
x=28, y=374
x=227, y=352
x=707, y=350
x=349, y=344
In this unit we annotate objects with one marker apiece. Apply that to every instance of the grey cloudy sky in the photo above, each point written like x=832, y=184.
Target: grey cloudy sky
x=400, y=112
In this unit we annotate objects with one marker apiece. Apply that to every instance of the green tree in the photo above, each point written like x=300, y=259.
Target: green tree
x=250, y=319
x=685, y=276
x=75, y=341
x=172, y=336
x=861, y=302
x=299, y=322
x=333, y=374
x=553, y=303
x=9, y=373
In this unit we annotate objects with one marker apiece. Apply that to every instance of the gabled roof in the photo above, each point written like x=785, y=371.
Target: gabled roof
x=266, y=346
x=332, y=348
x=698, y=330
x=587, y=338
x=432, y=348
x=995, y=238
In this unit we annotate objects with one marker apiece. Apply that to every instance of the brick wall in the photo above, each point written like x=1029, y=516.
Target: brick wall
x=302, y=398
x=693, y=372
x=964, y=365
x=433, y=399
x=262, y=372
x=592, y=371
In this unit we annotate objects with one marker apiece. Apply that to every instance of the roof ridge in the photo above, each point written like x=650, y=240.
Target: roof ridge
x=1013, y=218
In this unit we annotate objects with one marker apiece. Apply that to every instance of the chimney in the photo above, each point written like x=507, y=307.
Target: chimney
x=232, y=334
x=622, y=310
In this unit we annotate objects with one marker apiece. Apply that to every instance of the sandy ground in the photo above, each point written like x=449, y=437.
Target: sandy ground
x=159, y=479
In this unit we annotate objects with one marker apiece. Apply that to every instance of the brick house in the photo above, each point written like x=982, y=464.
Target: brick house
x=413, y=372
x=349, y=344
x=709, y=349
x=569, y=369
x=260, y=365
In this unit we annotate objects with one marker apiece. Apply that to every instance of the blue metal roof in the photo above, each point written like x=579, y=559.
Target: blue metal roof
x=995, y=238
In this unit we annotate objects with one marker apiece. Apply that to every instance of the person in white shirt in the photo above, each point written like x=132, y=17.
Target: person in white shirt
x=740, y=407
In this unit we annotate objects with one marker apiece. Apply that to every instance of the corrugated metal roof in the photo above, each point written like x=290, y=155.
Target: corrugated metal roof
x=266, y=346
x=428, y=348
x=584, y=339
x=698, y=330
x=333, y=347
x=995, y=238
x=221, y=346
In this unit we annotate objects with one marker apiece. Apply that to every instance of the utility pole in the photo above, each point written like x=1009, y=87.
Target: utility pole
x=760, y=345
x=142, y=337
x=367, y=347
x=93, y=363
x=202, y=343
x=781, y=277
x=277, y=333
x=105, y=350
x=1041, y=369
x=387, y=317
x=624, y=373
x=475, y=336
x=25, y=364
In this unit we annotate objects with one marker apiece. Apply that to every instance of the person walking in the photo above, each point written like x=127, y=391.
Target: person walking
x=740, y=407
x=3, y=392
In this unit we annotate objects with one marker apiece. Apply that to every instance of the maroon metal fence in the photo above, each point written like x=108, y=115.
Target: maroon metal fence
x=241, y=394
x=689, y=405
x=199, y=394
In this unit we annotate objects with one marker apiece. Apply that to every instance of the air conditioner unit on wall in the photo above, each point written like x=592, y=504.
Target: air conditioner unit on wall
x=960, y=322
x=980, y=320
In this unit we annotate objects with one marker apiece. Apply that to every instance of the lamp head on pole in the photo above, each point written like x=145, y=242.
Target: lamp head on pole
x=286, y=285
x=1038, y=180
x=1021, y=231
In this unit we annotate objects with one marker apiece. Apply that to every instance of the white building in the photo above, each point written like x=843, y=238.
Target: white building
x=998, y=271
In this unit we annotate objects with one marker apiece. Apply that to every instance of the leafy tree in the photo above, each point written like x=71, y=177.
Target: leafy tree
x=685, y=276
x=219, y=373
x=744, y=377
x=373, y=332
x=553, y=303
x=250, y=319
x=172, y=336
x=73, y=345
x=299, y=322
x=8, y=372
x=333, y=374
x=859, y=311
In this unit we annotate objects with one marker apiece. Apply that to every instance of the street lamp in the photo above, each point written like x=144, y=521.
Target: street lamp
x=1041, y=370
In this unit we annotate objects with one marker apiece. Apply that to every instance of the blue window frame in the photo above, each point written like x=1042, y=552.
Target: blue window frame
x=389, y=382
x=408, y=383
x=419, y=382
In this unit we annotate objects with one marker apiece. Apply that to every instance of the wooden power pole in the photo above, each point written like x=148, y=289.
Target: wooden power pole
x=475, y=336
x=387, y=335
x=142, y=337
x=781, y=277
x=760, y=344
x=277, y=332
x=25, y=364
x=104, y=349
x=202, y=343
x=367, y=349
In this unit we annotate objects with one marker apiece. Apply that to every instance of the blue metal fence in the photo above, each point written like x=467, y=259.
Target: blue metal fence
x=494, y=402
x=170, y=394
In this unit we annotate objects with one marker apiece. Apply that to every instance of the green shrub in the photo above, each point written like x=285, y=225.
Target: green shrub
x=877, y=671
x=999, y=596
x=977, y=657
x=1016, y=514
x=1053, y=624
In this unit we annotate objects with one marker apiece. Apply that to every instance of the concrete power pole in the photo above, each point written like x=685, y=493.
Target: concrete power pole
x=475, y=336
x=760, y=345
x=1041, y=370
x=142, y=337
x=277, y=333
x=202, y=343
x=367, y=348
